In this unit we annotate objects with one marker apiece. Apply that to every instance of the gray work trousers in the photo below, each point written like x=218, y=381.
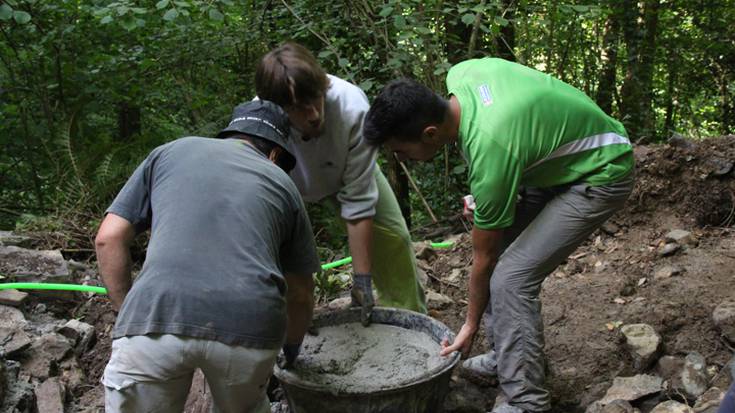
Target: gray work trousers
x=153, y=373
x=549, y=225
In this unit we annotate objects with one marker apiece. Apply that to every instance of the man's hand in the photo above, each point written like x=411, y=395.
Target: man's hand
x=362, y=296
x=290, y=352
x=462, y=343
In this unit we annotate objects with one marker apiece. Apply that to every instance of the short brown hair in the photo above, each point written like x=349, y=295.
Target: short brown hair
x=290, y=74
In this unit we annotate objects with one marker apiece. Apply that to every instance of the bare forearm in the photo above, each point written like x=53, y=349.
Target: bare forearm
x=299, y=306
x=360, y=238
x=114, y=265
x=299, y=319
x=485, y=247
x=479, y=293
x=113, y=256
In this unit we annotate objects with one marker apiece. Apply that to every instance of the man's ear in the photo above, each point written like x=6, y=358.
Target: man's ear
x=429, y=134
x=275, y=154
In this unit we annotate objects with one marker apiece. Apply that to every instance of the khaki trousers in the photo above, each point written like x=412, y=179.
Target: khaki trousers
x=153, y=373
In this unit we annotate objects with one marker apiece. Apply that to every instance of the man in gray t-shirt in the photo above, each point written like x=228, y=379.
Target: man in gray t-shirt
x=227, y=279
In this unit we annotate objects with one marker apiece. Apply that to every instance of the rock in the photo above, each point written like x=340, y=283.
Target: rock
x=724, y=318
x=559, y=274
x=280, y=407
x=574, y=267
x=669, y=366
x=667, y=271
x=619, y=406
x=71, y=373
x=632, y=388
x=454, y=277
x=11, y=318
x=12, y=297
x=681, y=237
x=671, y=406
x=712, y=371
x=641, y=153
x=709, y=399
x=681, y=142
x=8, y=238
x=32, y=265
x=593, y=394
x=423, y=265
x=643, y=344
x=465, y=397
x=2, y=381
x=718, y=166
x=19, y=395
x=77, y=267
x=422, y=276
x=81, y=334
x=694, y=378
x=668, y=249
x=437, y=301
x=13, y=341
x=600, y=266
x=44, y=355
x=200, y=396
x=610, y=228
x=686, y=377
x=339, y=303
x=457, y=262
x=424, y=251
x=616, y=406
x=50, y=396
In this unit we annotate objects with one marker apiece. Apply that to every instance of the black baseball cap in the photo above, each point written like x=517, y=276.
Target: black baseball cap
x=263, y=119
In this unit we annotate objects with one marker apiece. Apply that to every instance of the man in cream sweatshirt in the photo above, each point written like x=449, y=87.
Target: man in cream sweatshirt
x=334, y=164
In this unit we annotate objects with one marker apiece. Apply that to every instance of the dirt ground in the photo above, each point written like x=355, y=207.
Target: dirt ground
x=608, y=281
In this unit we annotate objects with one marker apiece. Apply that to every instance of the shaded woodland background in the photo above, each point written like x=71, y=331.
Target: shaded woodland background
x=88, y=88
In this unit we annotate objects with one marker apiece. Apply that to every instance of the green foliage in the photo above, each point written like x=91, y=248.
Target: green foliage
x=330, y=284
x=88, y=88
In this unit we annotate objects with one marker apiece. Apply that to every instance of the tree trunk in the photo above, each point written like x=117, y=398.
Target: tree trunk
x=551, y=11
x=727, y=108
x=506, y=42
x=670, y=97
x=630, y=90
x=128, y=121
x=609, y=57
x=636, y=93
x=646, y=61
x=399, y=182
x=458, y=37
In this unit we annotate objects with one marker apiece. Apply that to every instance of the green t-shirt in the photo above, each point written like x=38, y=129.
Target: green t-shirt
x=519, y=126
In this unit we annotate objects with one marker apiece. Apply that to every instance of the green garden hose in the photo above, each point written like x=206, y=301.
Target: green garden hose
x=102, y=290
x=57, y=287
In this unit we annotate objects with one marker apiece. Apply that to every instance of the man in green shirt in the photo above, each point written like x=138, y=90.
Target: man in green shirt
x=546, y=168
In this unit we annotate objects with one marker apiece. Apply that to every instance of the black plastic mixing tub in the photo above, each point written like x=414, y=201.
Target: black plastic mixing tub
x=424, y=395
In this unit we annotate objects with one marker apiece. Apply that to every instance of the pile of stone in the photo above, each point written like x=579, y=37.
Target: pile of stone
x=39, y=353
x=669, y=383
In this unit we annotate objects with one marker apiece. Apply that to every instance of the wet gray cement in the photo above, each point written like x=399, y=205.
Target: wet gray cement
x=356, y=359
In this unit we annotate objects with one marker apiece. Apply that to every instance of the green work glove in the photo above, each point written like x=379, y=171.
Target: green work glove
x=362, y=296
x=290, y=352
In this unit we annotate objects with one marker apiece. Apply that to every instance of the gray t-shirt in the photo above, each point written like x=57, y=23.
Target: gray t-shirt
x=226, y=223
